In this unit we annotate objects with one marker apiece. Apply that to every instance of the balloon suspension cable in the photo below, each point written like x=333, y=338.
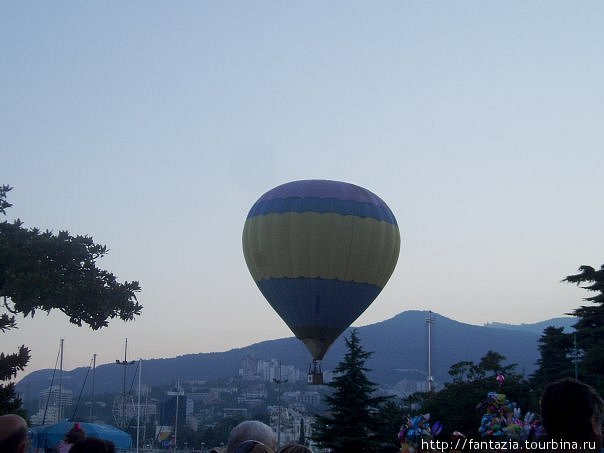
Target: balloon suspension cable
x=315, y=375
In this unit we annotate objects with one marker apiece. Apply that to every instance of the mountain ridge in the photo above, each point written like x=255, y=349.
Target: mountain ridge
x=567, y=322
x=398, y=346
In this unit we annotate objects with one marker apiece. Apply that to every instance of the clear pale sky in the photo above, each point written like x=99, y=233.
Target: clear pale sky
x=154, y=126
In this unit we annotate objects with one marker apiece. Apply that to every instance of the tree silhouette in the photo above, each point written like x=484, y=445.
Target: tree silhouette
x=555, y=348
x=455, y=406
x=352, y=422
x=43, y=271
x=590, y=325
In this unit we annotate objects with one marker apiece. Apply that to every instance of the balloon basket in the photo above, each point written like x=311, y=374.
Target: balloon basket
x=315, y=375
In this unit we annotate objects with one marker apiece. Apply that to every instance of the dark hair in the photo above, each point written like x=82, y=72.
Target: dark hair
x=75, y=433
x=12, y=442
x=294, y=448
x=93, y=445
x=568, y=407
x=252, y=446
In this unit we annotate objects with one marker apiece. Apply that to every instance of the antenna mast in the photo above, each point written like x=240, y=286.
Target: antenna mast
x=429, y=322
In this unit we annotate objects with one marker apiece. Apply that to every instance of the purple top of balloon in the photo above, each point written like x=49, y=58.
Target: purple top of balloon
x=317, y=195
x=323, y=188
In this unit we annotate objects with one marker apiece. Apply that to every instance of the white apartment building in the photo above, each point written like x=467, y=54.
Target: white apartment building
x=54, y=405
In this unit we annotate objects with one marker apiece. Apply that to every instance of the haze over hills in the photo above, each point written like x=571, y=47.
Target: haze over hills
x=565, y=321
x=399, y=347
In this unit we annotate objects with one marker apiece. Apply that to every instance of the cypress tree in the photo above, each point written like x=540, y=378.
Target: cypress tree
x=351, y=423
x=590, y=325
x=555, y=348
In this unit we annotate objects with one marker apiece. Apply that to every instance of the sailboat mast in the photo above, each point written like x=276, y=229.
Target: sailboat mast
x=92, y=393
x=138, y=413
x=60, y=400
x=124, y=387
x=176, y=417
x=120, y=406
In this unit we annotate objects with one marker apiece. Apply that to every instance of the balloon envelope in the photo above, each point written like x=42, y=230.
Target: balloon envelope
x=320, y=252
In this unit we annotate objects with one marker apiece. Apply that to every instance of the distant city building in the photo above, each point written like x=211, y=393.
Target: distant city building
x=147, y=409
x=52, y=405
x=407, y=387
x=193, y=422
x=124, y=410
x=235, y=412
x=173, y=409
x=310, y=398
x=249, y=369
x=252, y=398
x=193, y=385
x=253, y=369
x=200, y=396
x=292, y=423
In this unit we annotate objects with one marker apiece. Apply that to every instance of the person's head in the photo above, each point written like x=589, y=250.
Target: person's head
x=294, y=448
x=92, y=445
x=251, y=430
x=13, y=434
x=572, y=411
x=252, y=446
x=75, y=434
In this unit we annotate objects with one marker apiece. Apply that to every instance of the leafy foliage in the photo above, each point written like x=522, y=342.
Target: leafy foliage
x=456, y=404
x=10, y=364
x=43, y=271
x=590, y=325
x=352, y=422
x=391, y=415
x=46, y=271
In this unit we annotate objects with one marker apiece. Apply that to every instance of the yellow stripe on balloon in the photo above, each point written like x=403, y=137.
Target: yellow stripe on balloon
x=292, y=245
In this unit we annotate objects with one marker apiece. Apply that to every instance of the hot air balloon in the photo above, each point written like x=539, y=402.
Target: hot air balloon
x=320, y=252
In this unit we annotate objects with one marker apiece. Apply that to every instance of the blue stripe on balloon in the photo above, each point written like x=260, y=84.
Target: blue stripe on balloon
x=317, y=301
x=322, y=206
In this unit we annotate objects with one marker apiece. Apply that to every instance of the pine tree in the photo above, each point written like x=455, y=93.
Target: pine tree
x=352, y=422
x=555, y=348
x=590, y=326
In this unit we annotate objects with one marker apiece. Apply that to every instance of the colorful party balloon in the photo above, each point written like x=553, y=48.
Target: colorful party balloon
x=436, y=429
